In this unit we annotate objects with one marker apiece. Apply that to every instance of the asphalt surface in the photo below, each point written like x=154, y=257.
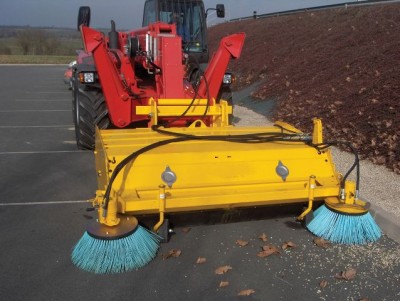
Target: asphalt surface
x=44, y=180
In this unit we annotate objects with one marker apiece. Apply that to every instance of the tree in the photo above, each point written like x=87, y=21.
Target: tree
x=24, y=40
x=37, y=42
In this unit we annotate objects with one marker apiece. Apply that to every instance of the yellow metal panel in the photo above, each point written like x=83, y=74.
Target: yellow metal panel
x=211, y=174
x=176, y=107
x=178, y=110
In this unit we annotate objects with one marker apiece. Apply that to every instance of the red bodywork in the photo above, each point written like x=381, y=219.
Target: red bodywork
x=156, y=71
x=67, y=76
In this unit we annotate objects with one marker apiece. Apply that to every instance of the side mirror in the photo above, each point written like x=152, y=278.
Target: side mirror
x=83, y=16
x=220, y=11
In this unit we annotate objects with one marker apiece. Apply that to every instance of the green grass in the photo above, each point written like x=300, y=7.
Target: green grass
x=35, y=59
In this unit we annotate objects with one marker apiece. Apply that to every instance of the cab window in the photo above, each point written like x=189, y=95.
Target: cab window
x=149, y=15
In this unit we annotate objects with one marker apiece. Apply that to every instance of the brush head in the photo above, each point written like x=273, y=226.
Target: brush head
x=344, y=228
x=109, y=250
x=126, y=227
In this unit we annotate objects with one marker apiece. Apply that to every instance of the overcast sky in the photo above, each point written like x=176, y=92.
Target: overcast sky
x=126, y=13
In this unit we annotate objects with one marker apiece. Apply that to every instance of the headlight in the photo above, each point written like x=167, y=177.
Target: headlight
x=86, y=77
x=228, y=79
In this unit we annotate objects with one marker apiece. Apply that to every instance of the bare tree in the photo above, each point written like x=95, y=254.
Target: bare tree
x=24, y=40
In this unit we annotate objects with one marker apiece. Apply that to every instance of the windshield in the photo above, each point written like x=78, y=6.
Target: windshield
x=189, y=18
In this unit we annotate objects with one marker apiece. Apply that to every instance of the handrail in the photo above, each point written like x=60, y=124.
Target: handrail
x=315, y=8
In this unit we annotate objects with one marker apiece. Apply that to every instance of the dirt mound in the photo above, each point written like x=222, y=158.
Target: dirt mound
x=341, y=65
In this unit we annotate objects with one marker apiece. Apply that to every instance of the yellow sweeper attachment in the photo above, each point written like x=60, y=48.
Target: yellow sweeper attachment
x=199, y=168
x=197, y=174
x=163, y=170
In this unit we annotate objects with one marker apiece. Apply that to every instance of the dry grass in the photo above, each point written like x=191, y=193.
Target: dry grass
x=35, y=59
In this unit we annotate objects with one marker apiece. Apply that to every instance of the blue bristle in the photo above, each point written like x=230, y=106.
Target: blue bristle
x=344, y=229
x=114, y=256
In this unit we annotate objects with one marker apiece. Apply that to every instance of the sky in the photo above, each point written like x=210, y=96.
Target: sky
x=127, y=13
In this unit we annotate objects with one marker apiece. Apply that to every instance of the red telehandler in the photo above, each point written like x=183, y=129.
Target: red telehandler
x=136, y=58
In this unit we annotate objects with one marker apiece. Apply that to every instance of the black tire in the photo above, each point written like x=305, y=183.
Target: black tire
x=89, y=110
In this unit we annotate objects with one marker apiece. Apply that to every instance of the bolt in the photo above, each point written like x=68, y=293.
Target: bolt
x=121, y=122
x=98, y=37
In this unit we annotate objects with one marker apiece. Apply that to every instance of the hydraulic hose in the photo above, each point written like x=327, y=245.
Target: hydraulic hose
x=129, y=159
x=262, y=137
x=356, y=163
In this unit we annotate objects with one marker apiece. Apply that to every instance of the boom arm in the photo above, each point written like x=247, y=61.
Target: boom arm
x=120, y=108
x=229, y=48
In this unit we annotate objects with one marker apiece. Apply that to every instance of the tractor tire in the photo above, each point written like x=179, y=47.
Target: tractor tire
x=89, y=110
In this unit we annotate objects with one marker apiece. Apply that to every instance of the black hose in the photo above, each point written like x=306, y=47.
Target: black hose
x=262, y=137
x=132, y=158
x=208, y=95
x=179, y=137
x=195, y=95
x=356, y=163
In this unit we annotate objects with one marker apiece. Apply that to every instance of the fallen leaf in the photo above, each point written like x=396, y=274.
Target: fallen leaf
x=363, y=299
x=271, y=248
x=320, y=242
x=201, y=260
x=388, y=123
x=362, y=90
x=288, y=244
x=263, y=237
x=186, y=230
x=268, y=250
x=223, y=284
x=348, y=274
x=173, y=253
x=247, y=292
x=323, y=283
x=223, y=269
x=242, y=243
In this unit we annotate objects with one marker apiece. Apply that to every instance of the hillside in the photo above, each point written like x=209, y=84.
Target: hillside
x=341, y=65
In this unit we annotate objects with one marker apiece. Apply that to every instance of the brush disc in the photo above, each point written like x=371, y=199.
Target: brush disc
x=126, y=226
x=357, y=208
